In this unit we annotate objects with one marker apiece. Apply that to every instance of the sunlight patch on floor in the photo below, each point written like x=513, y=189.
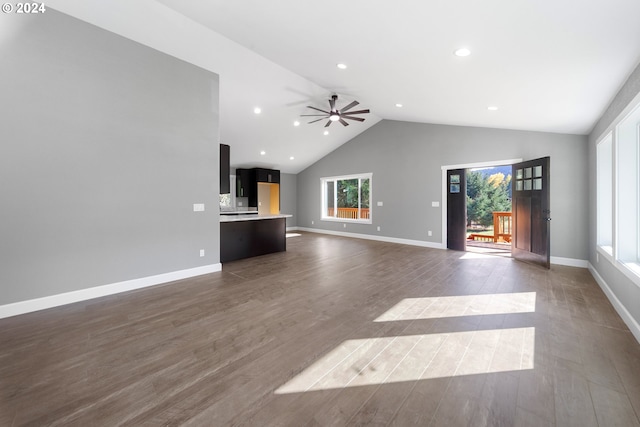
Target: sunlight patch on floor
x=458, y=306
x=384, y=360
x=287, y=235
x=475, y=255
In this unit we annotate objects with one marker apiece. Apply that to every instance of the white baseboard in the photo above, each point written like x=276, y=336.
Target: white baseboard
x=377, y=238
x=43, y=303
x=570, y=262
x=628, y=319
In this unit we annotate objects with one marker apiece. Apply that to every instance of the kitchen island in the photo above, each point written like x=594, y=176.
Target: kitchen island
x=249, y=235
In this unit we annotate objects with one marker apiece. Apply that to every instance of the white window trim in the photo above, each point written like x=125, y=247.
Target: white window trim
x=323, y=181
x=618, y=215
x=607, y=250
x=629, y=268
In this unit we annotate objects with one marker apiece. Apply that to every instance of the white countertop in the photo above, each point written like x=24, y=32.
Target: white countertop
x=251, y=217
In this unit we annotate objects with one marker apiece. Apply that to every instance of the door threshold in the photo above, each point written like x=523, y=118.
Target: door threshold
x=489, y=248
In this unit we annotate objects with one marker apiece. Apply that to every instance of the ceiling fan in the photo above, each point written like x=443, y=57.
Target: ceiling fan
x=335, y=115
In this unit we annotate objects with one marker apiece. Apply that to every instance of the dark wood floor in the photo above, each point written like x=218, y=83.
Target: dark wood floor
x=335, y=331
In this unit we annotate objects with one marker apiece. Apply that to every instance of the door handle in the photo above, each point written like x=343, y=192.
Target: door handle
x=547, y=219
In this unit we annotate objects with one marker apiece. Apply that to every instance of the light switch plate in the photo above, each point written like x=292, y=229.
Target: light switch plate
x=198, y=207
x=435, y=204
x=379, y=203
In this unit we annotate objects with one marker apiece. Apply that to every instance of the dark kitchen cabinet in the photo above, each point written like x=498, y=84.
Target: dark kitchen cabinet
x=247, y=182
x=246, y=185
x=244, y=239
x=225, y=160
x=267, y=175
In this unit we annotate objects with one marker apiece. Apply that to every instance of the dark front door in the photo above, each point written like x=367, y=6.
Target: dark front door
x=531, y=210
x=456, y=210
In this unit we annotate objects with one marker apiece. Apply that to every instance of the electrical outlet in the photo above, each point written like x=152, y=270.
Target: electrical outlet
x=380, y=203
x=198, y=207
x=201, y=252
x=312, y=222
x=344, y=225
x=378, y=228
x=239, y=203
x=429, y=233
x=435, y=204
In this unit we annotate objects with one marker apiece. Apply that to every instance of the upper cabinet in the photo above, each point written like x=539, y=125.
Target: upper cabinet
x=225, y=159
x=267, y=175
x=247, y=182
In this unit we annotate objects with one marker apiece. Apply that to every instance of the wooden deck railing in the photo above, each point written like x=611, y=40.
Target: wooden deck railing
x=502, y=226
x=501, y=229
x=349, y=213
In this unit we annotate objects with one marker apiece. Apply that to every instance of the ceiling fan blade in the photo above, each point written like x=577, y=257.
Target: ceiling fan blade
x=317, y=120
x=357, y=112
x=314, y=108
x=344, y=123
x=353, y=104
x=328, y=124
x=314, y=115
x=353, y=118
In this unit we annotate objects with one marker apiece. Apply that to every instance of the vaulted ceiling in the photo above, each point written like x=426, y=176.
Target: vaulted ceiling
x=546, y=65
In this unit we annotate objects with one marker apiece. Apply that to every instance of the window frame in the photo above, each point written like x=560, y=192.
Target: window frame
x=628, y=169
x=607, y=169
x=335, y=179
x=625, y=173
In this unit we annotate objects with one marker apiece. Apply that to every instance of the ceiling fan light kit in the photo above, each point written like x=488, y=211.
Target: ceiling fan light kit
x=337, y=115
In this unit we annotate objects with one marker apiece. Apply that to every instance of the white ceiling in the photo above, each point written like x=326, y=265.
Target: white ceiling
x=548, y=65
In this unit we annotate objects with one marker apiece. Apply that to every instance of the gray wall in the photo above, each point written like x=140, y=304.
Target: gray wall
x=106, y=145
x=406, y=158
x=627, y=292
x=288, y=194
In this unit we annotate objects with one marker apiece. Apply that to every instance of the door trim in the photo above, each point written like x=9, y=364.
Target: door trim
x=445, y=187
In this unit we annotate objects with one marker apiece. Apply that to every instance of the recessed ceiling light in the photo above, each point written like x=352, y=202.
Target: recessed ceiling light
x=463, y=51
x=342, y=66
x=262, y=153
x=296, y=123
x=326, y=132
x=291, y=158
x=257, y=110
x=492, y=108
x=399, y=105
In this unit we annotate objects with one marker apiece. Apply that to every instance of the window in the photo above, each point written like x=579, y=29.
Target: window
x=618, y=194
x=227, y=201
x=347, y=198
x=604, y=194
x=628, y=176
